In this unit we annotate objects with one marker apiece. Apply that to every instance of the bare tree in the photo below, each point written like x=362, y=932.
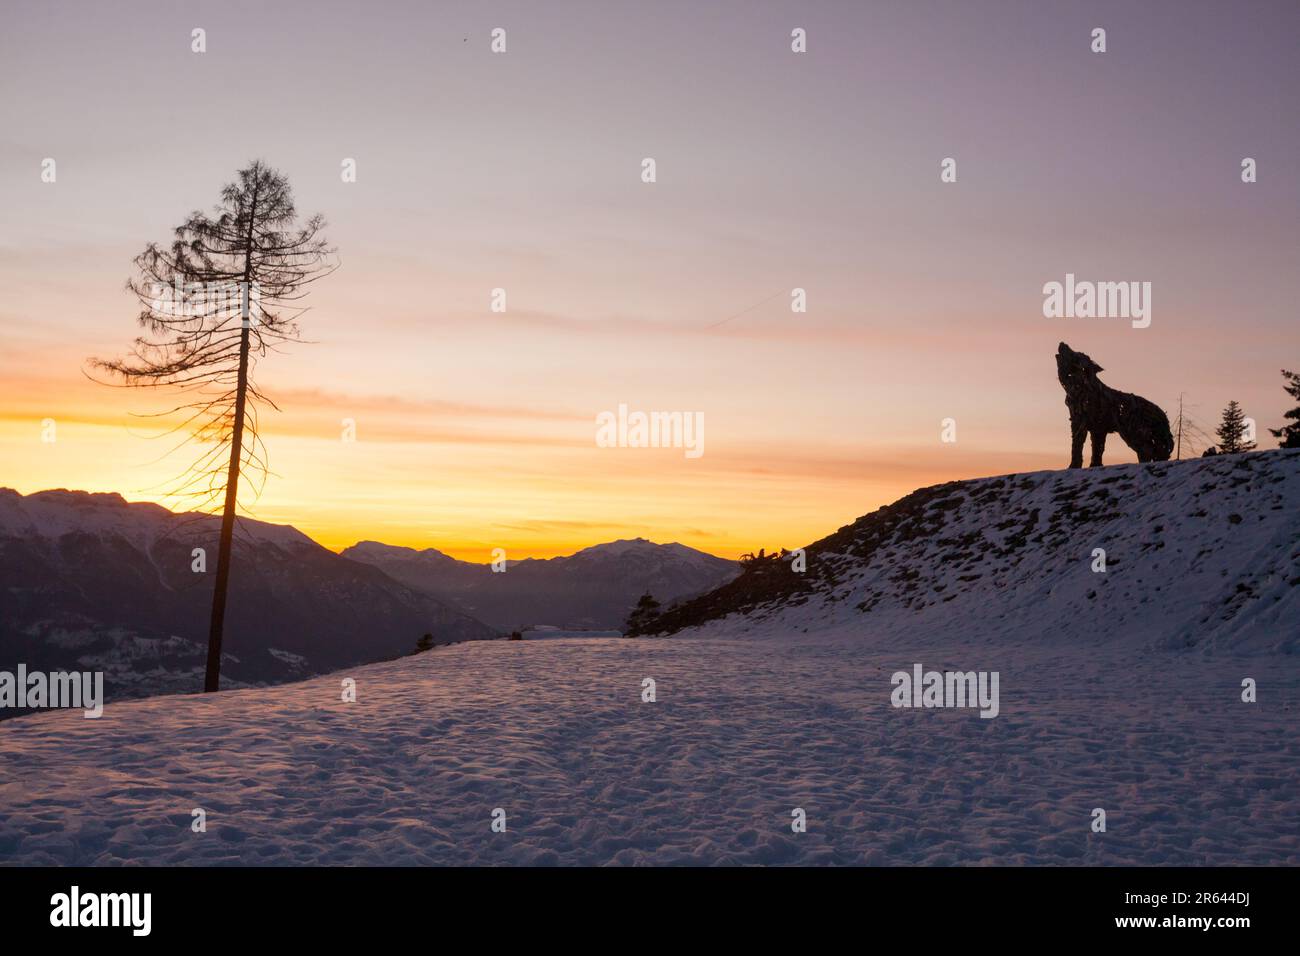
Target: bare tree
x=1188, y=431
x=221, y=296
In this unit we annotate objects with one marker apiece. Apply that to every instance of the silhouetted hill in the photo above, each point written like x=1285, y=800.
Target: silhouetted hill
x=1202, y=553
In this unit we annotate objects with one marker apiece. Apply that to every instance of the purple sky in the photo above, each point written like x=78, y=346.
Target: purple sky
x=775, y=170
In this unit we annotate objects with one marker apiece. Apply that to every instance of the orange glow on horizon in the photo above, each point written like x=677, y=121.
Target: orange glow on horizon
x=424, y=480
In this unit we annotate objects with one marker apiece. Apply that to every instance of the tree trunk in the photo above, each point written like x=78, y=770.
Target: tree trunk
x=212, y=676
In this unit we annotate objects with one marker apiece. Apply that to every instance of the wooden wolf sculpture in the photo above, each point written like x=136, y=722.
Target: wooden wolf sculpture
x=1096, y=410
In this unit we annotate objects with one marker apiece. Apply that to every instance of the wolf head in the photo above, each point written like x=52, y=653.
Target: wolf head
x=1074, y=368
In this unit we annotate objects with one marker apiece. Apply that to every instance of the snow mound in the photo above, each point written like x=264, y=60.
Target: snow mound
x=1200, y=555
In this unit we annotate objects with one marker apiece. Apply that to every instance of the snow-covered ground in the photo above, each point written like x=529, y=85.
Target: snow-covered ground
x=1201, y=557
x=546, y=632
x=1118, y=689
x=556, y=734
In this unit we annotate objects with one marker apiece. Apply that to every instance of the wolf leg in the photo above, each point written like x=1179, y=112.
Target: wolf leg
x=1077, y=434
x=1098, y=448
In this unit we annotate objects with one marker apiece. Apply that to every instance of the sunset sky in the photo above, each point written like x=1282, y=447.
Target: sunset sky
x=776, y=170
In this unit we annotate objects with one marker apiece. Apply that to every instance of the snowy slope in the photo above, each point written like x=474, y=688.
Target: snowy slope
x=1201, y=554
x=741, y=733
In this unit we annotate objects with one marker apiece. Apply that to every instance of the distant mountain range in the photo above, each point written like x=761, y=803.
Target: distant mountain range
x=594, y=588
x=92, y=582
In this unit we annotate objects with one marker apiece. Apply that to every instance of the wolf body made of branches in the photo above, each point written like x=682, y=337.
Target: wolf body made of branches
x=1096, y=410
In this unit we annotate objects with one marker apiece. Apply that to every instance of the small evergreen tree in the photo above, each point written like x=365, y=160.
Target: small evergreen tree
x=1232, y=431
x=424, y=644
x=647, y=608
x=1288, y=436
